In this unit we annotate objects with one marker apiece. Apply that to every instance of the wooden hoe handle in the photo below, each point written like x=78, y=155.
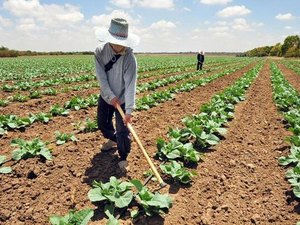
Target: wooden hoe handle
x=161, y=182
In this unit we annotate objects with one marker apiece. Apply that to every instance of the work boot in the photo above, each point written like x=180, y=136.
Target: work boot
x=123, y=165
x=108, y=145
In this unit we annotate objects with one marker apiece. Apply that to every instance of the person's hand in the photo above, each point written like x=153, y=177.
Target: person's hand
x=115, y=101
x=127, y=119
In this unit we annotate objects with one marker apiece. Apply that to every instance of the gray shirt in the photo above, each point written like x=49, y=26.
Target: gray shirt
x=120, y=80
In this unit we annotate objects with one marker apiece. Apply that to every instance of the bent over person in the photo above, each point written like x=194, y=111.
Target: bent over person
x=116, y=71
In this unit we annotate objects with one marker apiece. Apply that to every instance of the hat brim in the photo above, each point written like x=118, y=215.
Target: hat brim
x=103, y=35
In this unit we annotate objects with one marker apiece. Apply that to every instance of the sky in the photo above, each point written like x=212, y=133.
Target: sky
x=162, y=25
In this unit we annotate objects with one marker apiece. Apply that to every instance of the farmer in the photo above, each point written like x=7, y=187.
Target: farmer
x=200, y=59
x=116, y=71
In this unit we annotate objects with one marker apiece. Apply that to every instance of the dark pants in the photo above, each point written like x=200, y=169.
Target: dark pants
x=199, y=65
x=105, y=114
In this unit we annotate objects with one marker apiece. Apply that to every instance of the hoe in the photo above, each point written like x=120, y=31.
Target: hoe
x=154, y=170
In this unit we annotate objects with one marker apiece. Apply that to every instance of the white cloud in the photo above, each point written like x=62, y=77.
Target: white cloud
x=260, y=24
x=238, y=10
x=288, y=27
x=27, y=24
x=122, y=3
x=215, y=2
x=218, y=29
x=221, y=23
x=163, y=25
x=241, y=24
x=187, y=9
x=158, y=4
x=287, y=16
x=4, y=22
x=51, y=15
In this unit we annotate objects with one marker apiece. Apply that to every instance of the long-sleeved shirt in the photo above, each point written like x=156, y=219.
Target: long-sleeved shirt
x=120, y=80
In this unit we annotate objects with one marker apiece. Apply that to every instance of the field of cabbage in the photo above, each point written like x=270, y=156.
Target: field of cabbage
x=225, y=139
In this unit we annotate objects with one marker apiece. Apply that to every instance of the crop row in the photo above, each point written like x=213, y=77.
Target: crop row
x=202, y=130
x=31, y=68
x=35, y=94
x=156, y=98
x=287, y=100
x=11, y=122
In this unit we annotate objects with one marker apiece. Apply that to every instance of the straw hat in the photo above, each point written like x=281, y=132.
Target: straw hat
x=117, y=33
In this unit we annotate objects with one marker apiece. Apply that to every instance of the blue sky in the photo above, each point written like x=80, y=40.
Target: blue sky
x=163, y=25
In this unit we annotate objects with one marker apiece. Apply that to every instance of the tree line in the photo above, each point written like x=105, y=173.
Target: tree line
x=6, y=52
x=289, y=48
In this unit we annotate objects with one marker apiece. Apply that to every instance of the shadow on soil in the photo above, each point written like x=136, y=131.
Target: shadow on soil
x=104, y=165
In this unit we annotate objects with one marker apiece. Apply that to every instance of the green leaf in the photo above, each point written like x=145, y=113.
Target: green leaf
x=46, y=154
x=222, y=131
x=17, y=154
x=124, y=200
x=134, y=214
x=109, y=212
x=60, y=142
x=58, y=220
x=95, y=195
x=83, y=216
x=2, y=159
x=5, y=170
x=139, y=186
x=296, y=191
x=213, y=139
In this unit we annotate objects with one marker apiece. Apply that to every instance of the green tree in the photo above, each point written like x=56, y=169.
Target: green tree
x=276, y=50
x=291, y=45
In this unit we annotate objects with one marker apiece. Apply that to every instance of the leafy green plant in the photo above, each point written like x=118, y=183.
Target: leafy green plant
x=74, y=217
x=152, y=204
x=176, y=150
x=50, y=91
x=40, y=117
x=115, y=192
x=35, y=94
x=62, y=138
x=90, y=125
x=5, y=169
x=7, y=88
x=3, y=102
x=57, y=110
x=177, y=171
x=30, y=149
x=294, y=157
x=19, y=98
x=293, y=176
x=76, y=103
x=13, y=122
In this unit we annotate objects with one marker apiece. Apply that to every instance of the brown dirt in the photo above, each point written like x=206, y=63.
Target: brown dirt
x=239, y=182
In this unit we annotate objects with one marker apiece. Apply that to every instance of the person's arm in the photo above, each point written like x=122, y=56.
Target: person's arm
x=130, y=77
x=102, y=77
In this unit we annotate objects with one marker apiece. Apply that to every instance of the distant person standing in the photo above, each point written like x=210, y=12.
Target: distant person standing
x=200, y=58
